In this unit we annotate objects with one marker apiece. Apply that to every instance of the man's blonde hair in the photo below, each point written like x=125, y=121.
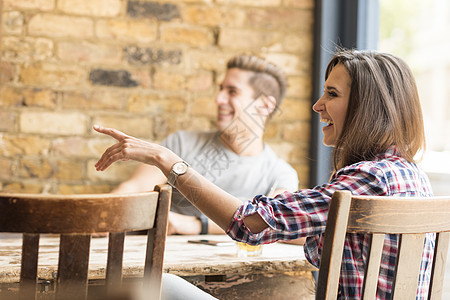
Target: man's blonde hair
x=268, y=79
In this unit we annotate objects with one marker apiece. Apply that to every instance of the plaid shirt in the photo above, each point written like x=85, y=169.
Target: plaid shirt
x=304, y=214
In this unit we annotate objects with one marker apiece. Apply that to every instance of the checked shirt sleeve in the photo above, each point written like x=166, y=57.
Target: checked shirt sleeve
x=304, y=213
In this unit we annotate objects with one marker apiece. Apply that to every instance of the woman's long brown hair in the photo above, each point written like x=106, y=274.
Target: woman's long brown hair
x=384, y=108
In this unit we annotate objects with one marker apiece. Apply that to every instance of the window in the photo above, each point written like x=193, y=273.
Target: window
x=418, y=31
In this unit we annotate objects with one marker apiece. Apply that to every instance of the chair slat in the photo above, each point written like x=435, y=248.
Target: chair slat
x=115, y=260
x=330, y=263
x=369, y=290
x=156, y=242
x=73, y=266
x=439, y=264
x=28, y=271
x=408, y=266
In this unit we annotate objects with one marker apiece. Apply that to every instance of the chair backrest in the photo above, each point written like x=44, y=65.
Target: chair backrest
x=75, y=218
x=408, y=217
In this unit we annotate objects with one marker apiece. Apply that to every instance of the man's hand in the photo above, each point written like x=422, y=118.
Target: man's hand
x=181, y=224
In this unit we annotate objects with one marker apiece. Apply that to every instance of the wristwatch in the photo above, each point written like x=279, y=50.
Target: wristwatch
x=204, y=220
x=178, y=168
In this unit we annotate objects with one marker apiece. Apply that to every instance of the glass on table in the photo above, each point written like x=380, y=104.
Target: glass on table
x=246, y=250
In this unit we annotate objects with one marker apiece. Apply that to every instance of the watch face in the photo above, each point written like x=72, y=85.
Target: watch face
x=180, y=168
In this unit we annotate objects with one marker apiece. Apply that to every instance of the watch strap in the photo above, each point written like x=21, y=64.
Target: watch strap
x=172, y=178
x=204, y=220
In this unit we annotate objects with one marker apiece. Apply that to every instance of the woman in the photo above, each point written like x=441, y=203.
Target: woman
x=374, y=122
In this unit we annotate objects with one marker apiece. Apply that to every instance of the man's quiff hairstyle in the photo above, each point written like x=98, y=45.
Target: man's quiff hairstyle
x=268, y=79
x=383, y=110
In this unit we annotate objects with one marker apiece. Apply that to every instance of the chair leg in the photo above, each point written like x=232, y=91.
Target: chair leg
x=28, y=272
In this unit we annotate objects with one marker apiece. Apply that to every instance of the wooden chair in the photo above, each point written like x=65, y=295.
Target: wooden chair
x=411, y=218
x=75, y=218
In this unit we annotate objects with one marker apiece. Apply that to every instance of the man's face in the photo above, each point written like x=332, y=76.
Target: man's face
x=236, y=101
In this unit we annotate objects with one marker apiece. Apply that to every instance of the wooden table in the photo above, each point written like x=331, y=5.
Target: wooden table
x=281, y=272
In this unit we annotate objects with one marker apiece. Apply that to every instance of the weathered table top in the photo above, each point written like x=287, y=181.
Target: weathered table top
x=181, y=258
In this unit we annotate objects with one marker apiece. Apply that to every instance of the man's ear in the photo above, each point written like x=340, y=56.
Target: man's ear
x=268, y=105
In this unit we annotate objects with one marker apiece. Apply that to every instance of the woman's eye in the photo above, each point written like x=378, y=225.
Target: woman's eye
x=332, y=94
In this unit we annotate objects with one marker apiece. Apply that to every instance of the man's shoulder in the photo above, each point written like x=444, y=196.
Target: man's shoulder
x=190, y=136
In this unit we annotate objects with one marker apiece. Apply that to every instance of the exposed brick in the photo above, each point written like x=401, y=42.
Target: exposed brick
x=23, y=187
x=79, y=147
x=26, y=49
x=54, y=75
x=69, y=170
x=196, y=1
x=300, y=153
x=37, y=97
x=13, y=22
x=135, y=126
x=248, y=39
x=10, y=96
x=7, y=72
x=193, y=36
x=289, y=151
x=120, y=78
x=117, y=172
x=271, y=131
x=203, y=106
x=155, y=105
x=168, y=80
x=35, y=168
x=13, y=145
x=173, y=53
x=6, y=167
x=143, y=76
x=300, y=87
x=53, y=123
x=303, y=4
x=146, y=56
x=290, y=63
x=68, y=189
x=300, y=43
x=159, y=11
x=280, y=18
x=32, y=97
x=141, y=31
x=98, y=8
x=52, y=25
x=96, y=99
x=201, y=81
x=80, y=52
x=294, y=110
x=42, y=5
x=295, y=132
x=206, y=59
x=7, y=120
x=214, y=15
x=258, y=3
x=303, y=174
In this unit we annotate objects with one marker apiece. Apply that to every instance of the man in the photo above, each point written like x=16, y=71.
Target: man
x=234, y=157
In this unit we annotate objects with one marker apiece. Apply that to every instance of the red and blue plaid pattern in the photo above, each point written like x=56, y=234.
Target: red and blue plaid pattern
x=304, y=214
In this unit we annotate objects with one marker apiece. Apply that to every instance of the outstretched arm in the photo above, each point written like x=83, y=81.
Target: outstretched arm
x=217, y=204
x=144, y=178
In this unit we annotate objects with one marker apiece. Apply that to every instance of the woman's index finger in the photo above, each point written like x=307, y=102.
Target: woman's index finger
x=118, y=135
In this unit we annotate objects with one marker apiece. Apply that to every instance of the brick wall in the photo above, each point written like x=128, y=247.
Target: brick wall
x=147, y=68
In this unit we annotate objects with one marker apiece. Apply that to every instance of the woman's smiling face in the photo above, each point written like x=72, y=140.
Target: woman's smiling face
x=333, y=104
